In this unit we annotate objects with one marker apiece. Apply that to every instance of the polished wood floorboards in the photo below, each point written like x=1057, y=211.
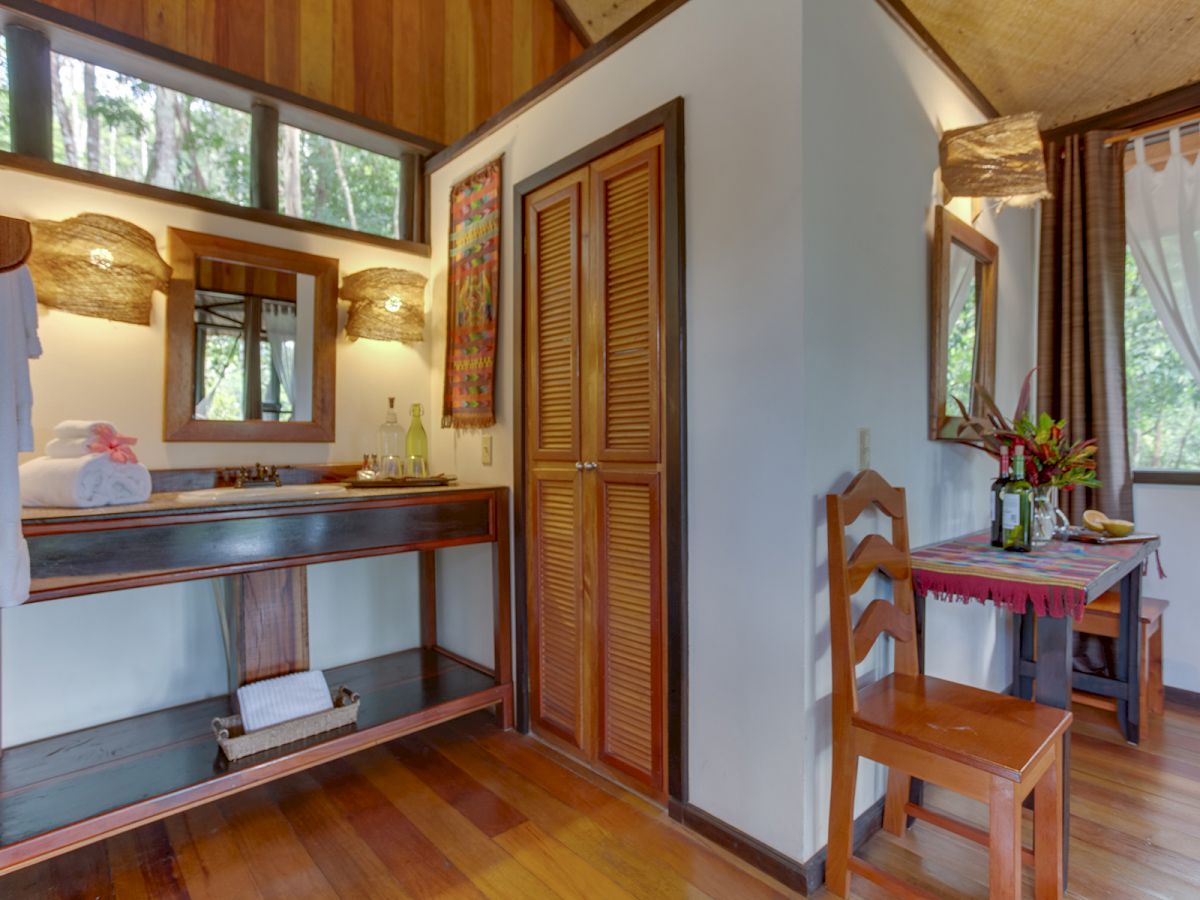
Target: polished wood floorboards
x=1135, y=820
x=467, y=811
x=460, y=811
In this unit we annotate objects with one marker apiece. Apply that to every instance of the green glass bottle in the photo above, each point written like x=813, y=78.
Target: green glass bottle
x=416, y=445
x=1016, y=512
x=997, y=499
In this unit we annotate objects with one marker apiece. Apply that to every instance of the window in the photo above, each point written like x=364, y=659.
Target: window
x=119, y=125
x=324, y=180
x=5, y=113
x=1162, y=396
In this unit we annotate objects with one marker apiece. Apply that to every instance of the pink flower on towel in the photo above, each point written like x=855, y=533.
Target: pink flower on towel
x=118, y=447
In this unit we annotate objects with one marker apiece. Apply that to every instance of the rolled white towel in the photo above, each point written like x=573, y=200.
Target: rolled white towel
x=274, y=700
x=68, y=448
x=84, y=481
x=80, y=428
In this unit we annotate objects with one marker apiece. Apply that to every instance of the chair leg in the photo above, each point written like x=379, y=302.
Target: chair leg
x=895, y=819
x=1156, y=692
x=1144, y=681
x=841, y=819
x=1004, y=841
x=1048, y=831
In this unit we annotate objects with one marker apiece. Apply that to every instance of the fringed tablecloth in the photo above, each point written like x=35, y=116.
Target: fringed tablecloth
x=1058, y=579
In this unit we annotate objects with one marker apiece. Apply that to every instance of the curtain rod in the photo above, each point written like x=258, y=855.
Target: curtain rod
x=1151, y=128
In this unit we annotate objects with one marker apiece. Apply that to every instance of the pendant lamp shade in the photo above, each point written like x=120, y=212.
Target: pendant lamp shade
x=1001, y=159
x=386, y=305
x=95, y=265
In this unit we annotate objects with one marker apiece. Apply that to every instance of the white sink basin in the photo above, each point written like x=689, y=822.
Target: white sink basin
x=258, y=494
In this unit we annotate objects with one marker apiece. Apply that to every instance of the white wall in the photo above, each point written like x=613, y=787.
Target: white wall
x=1174, y=512
x=72, y=663
x=806, y=319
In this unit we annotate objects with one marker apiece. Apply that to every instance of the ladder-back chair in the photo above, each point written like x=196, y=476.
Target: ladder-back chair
x=987, y=746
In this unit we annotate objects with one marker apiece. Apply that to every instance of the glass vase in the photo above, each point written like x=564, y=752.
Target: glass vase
x=1048, y=519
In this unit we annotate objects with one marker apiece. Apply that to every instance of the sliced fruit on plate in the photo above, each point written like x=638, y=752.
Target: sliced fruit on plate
x=1118, y=527
x=1094, y=520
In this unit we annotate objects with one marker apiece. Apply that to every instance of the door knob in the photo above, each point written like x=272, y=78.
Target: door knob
x=589, y=467
x=578, y=467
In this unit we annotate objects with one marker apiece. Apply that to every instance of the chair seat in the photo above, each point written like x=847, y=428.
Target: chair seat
x=1109, y=604
x=992, y=732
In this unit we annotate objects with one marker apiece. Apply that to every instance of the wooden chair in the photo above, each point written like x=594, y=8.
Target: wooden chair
x=1102, y=617
x=991, y=747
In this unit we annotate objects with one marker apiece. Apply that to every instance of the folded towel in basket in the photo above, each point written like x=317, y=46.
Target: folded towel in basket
x=85, y=481
x=274, y=700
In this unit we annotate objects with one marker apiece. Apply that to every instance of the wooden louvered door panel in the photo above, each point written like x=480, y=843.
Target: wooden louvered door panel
x=558, y=630
x=623, y=372
x=593, y=276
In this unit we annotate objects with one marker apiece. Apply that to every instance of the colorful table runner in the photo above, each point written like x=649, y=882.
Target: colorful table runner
x=1054, y=578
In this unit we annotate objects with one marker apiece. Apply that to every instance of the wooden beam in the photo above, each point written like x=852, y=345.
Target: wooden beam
x=267, y=620
x=574, y=23
x=30, y=97
x=919, y=33
x=264, y=156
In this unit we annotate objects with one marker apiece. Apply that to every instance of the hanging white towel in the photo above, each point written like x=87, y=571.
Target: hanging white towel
x=275, y=700
x=84, y=481
x=18, y=344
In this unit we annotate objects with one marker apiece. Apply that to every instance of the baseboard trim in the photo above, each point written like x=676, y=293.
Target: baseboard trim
x=1182, y=697
x=805, y=877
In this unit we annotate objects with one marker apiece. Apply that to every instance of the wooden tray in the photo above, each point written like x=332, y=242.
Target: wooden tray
x=406, y=481
x=236, y=743
x=1087, y=536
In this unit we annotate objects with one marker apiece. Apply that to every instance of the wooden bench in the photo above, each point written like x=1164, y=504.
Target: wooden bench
x=1102, y=618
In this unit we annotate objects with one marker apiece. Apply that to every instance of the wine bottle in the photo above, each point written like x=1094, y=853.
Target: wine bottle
x=1016, y=513
x=997, y=499
x=391, y=444
x=417, y=445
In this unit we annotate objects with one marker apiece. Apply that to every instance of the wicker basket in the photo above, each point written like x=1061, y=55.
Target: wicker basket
x=236, y=743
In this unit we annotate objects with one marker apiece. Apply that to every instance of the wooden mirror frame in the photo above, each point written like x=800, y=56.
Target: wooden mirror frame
x=179, y=422
x=948, y=230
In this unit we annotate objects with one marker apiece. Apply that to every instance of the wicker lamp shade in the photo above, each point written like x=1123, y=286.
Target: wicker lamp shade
x=1001, y=158
x=385, y=305
x=96, y=265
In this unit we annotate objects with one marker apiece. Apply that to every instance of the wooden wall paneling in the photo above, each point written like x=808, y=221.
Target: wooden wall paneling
x=121, y=14
x=460, y=71
x=282, y=59
x=543, y=21
x=239, y=36
x=432, y=85
x=316, y=49
x=166, y=24
x=503, y=46
x=406, y=75
x=345, y=64
x=522, y=62
x=373, y=85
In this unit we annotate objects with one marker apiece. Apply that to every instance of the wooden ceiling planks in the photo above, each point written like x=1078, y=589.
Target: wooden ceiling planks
x=599, y=18
x=1067, y=59
x=434, y=68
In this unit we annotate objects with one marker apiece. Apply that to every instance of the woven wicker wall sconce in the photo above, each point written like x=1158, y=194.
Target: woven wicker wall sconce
x=1001, y=159
x=95, y=265
x=385, y=305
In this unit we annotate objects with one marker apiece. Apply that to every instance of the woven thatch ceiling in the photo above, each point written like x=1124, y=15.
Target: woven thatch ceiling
x=601, y=17
x=1067, y=59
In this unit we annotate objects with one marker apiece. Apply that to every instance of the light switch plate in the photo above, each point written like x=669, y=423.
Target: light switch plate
x=864, y=448
x=486, y=454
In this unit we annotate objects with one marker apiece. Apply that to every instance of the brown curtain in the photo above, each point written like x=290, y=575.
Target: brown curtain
x=1081, y=312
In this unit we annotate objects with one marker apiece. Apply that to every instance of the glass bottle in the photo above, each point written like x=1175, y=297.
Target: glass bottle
x=416, y=445
x=1016, y=518
x=997, y=495
x=391, y=444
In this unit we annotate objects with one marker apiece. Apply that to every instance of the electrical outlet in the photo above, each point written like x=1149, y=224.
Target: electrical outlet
x=486, y=444
x=864, y=448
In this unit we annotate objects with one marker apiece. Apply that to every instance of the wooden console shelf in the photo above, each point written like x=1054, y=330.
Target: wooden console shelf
x=66, y=791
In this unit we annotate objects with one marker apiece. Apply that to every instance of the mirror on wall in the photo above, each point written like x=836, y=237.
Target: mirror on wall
x=250, y=335
x=963, y=322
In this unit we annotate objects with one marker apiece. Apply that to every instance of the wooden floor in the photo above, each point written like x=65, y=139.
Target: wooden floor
x=462, y=810
x=467, y=811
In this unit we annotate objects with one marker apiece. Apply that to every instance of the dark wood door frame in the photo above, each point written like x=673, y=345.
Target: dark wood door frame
x=669, y=118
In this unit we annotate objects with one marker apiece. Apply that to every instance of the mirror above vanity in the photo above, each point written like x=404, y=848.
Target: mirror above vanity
x=962, y=322
x=251, y=331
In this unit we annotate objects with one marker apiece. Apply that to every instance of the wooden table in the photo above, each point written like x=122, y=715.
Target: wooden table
x=61, y=792
x=1073, y=574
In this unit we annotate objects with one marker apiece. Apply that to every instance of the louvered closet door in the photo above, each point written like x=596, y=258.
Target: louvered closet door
x=623, y=355
x=559, y=613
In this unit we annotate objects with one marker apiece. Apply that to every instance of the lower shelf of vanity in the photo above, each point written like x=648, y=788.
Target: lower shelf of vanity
x=72, y=789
